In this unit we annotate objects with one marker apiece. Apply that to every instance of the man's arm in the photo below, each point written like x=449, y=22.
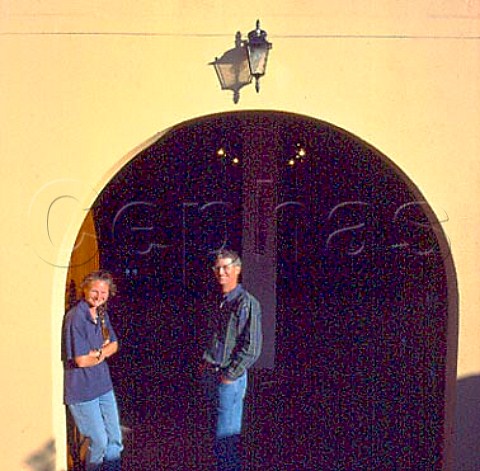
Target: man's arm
x=249, y=343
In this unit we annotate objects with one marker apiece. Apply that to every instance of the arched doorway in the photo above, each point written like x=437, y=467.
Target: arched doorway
x=84, y=259
x=351, y=266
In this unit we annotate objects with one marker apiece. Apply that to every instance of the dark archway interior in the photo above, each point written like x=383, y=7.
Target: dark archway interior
x=364, y=285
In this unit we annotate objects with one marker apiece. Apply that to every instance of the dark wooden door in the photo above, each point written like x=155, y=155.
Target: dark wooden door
x=352, y=268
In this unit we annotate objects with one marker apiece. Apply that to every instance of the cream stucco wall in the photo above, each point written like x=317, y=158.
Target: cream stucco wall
x=84, y=84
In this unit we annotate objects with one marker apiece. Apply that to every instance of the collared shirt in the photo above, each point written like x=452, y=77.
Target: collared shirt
x=82, y=334
x=235, y=333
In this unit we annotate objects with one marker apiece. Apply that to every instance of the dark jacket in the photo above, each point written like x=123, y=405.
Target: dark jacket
x=234, y=340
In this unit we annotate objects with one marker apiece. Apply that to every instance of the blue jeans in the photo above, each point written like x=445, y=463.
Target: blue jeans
x=99, y=421
x=226, y=403
x=230, y=407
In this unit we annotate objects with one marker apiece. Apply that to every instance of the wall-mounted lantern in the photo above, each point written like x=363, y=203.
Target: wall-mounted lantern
x=257, y=48
x=248, y=59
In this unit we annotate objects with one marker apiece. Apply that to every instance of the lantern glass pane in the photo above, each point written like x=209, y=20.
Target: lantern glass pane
x=258, y=59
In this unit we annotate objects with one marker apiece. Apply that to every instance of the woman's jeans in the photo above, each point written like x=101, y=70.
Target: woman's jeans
x=99, y=421
x=226, y=407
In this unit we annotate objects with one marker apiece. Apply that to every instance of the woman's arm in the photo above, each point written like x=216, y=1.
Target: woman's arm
x=94, y=357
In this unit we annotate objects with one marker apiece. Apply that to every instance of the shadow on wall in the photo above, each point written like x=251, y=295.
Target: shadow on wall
x=467, y=437
x=43, y=459
x=232, y=68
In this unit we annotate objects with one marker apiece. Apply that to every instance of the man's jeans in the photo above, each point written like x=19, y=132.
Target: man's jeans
x=230, y=407
x=99, y=421
x=226, y=402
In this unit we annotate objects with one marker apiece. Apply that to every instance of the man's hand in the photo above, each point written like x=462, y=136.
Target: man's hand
x=200, y=369
x=224, y=380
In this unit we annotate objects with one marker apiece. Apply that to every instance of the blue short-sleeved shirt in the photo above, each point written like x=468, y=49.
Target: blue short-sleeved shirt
x=81, y=335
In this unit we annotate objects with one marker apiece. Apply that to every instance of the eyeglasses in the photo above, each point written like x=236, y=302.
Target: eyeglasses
x=227, y=267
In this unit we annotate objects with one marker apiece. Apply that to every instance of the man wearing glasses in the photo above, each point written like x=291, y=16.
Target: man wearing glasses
x=234, y=343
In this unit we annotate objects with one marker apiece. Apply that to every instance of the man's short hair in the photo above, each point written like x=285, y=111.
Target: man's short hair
x=227, y=253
